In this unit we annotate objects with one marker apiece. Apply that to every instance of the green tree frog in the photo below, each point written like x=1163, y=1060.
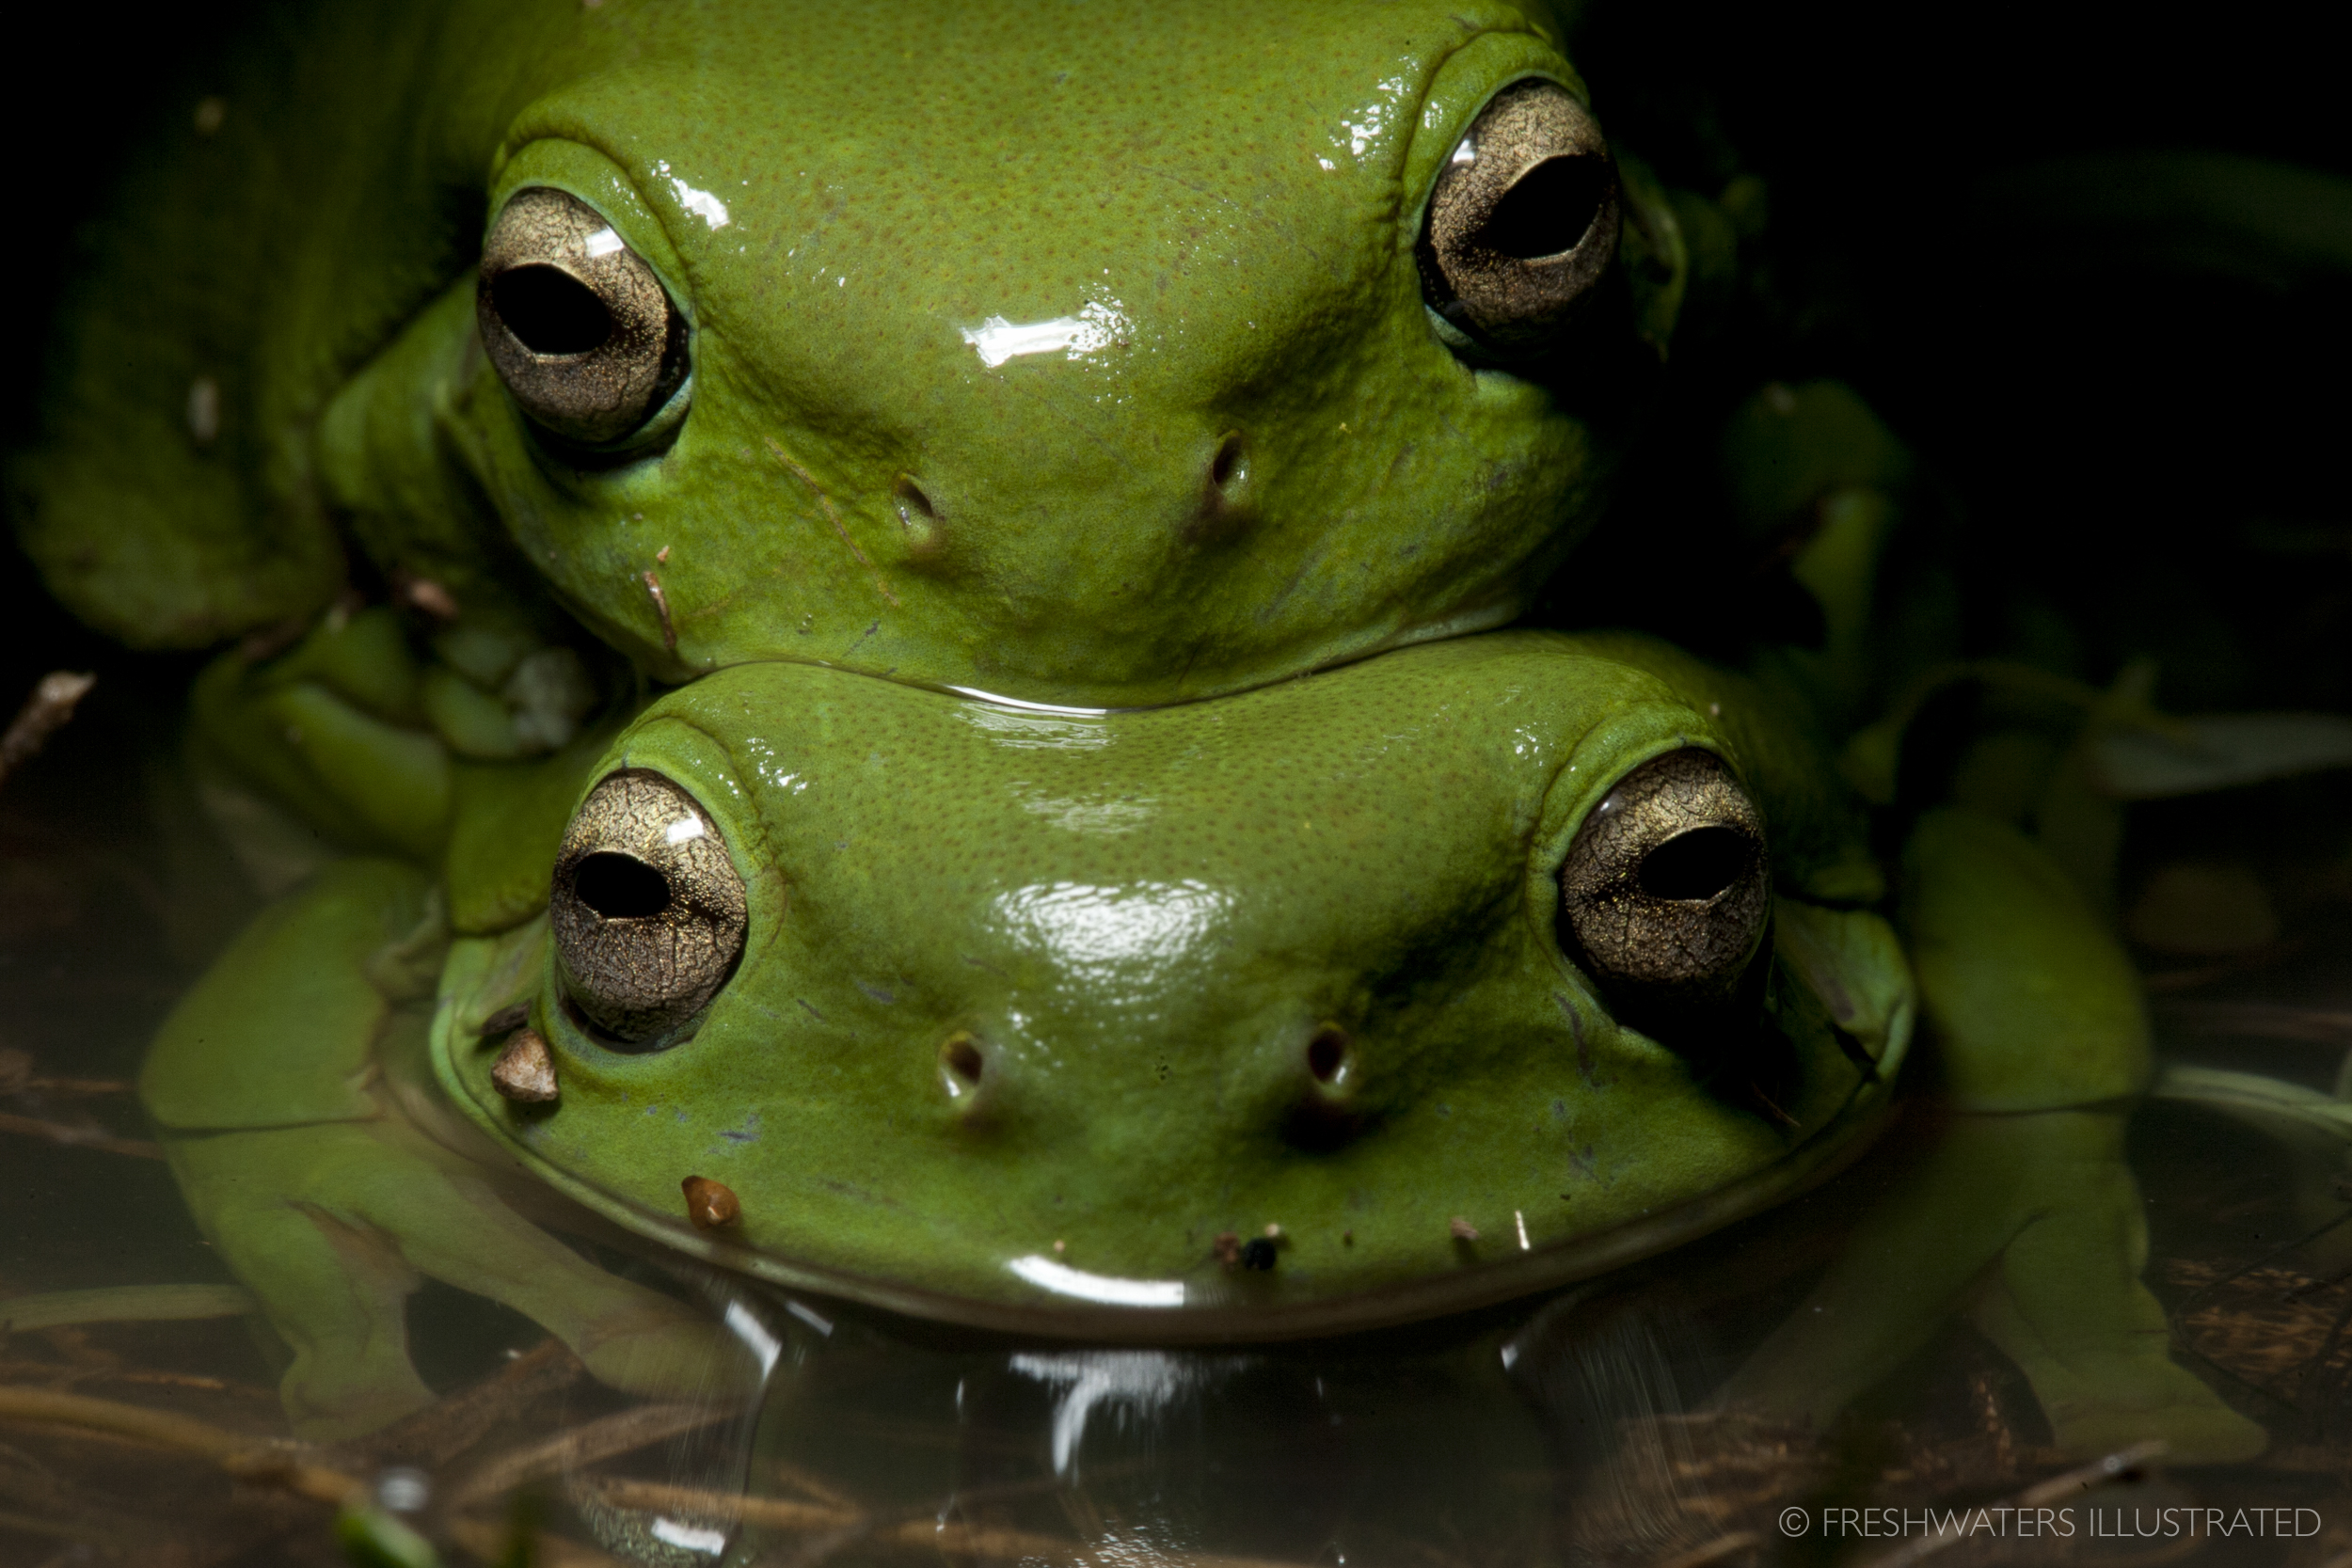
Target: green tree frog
x=857, y=662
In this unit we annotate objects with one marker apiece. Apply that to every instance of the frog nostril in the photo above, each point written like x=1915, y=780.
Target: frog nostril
x=914, y=505
x=620, y=887
x=1326, y=1053
x=1328, y=1113
x=920, y=525
x=960, y=1064
x=1224, y=507
x=1224, y=468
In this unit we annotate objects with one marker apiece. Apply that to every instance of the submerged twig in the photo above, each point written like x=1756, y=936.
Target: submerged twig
x=942, y=1536
x=2104, y=1471
x=18, y=1077
x=124, y=1304
x=79, y=1137
x=451, y=1425
x=44, y=713
x=67, y=1375
x=260, y=1462
x=586, y=1445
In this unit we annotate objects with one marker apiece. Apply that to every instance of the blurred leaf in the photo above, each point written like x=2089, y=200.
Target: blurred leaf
x=371, y=1538
x=2192, y=756
x=2279, y=1107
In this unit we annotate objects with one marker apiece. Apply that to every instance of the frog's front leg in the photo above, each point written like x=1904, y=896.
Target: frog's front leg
x=2025, y=1210
x=326, y=1204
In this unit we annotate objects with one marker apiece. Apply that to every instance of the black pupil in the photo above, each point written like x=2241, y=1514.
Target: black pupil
x=1547, y=211
x=550, y=312
x=1696, y=865
x=619, y=887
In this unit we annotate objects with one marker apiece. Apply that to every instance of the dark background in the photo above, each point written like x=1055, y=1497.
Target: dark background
x=2137, y=441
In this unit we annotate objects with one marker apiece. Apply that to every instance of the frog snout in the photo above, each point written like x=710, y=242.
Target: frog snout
x=1226, y=492
x=1326, y=1111
x=1145, y=494
x=1297, y=1082
x=963, y=1063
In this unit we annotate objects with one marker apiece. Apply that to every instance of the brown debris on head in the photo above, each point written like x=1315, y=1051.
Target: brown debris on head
x=423, y=593
x=710, y=1204
x=44, y=713
x=661, y=606
x=525, y=1072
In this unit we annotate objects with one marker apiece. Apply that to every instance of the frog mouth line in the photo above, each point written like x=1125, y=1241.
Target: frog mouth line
x=1072, y=1304
x=1463, y=622
x=1171, y=1312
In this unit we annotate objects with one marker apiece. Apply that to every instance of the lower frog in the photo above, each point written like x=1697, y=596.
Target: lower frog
x=1426, y=982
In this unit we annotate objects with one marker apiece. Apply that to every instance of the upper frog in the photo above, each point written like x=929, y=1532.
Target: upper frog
x=975, y=347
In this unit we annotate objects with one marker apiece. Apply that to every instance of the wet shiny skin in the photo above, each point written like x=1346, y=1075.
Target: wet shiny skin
x=1029, y=1008
x=1083, y=366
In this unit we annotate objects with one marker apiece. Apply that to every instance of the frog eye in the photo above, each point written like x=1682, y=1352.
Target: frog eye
x=580, y=329
x=647, y=910
x=1522, y=220
x=1666, y=891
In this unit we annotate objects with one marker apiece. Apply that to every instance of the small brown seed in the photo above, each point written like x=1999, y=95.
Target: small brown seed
x=710, y=1204
x=525, y=1072
x=431, y=597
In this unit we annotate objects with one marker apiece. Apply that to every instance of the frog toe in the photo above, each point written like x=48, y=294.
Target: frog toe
x=2195, y=1427
x=2067, y=1306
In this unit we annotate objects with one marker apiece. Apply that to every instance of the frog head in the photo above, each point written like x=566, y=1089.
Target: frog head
x=1071, y=363
x=1452, y=972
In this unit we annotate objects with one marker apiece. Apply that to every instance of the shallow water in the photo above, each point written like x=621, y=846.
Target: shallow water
x=1572, y=1428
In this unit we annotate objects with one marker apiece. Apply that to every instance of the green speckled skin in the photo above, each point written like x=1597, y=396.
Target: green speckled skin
x=1235, y=223
x=1142, y=962
x=273, y=408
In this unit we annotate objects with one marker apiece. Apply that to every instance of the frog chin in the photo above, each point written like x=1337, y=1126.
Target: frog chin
x=1042, y=1296
x=1274, y=1285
